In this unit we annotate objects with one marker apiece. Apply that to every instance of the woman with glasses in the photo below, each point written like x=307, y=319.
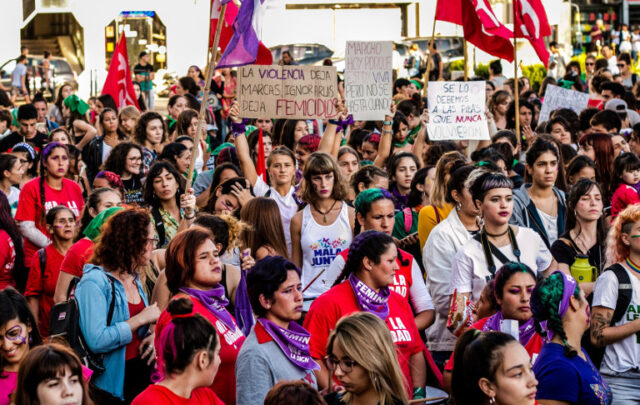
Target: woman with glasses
x=277, y=347
x=366, y=379
x=110, y=285
x=45, y=268
x=194, y=271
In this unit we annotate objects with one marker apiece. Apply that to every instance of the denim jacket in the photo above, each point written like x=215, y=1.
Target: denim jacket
x=93, y=294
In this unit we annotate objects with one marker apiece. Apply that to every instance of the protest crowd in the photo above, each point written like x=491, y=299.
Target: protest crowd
x=381, y=238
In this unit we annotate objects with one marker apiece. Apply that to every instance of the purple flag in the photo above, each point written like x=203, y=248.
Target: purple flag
x=243, y=46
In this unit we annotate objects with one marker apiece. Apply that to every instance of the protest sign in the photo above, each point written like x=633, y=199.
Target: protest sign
x=294, y=92
x=456, y=111
x=557, y=97
x=368, y=79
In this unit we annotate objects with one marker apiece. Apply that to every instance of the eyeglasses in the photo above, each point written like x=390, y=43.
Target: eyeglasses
x=154, y=240
x=621, y=65
x=346, y=365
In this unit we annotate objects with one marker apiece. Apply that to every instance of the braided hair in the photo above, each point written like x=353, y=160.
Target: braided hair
x=545, y=303
x=370, y=244
x=46, y=152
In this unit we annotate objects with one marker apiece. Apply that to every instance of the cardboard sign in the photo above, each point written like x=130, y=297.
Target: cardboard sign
x=368, y=79
x=457, y=111
x=294, y=92
x=556, y=97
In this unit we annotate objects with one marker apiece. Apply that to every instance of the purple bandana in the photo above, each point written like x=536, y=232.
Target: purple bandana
x=368, y=299
x=569, y=287
x=215, y=301
x=294, y=343
x=525, y=331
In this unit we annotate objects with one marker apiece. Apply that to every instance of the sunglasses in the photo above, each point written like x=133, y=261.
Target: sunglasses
x=589, y=64
x=621, y=65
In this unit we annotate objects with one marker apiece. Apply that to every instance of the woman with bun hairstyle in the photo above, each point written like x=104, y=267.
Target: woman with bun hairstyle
x=375, y=212
x=492, y=368
x=194, y=271
x=188, y=360
x=564, y=370
x=364, y=286
x=277, y=347
x=52, y=374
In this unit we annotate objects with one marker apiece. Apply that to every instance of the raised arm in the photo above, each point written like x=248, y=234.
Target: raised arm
x=384, y=147
x=242, y=149
x=328, y=138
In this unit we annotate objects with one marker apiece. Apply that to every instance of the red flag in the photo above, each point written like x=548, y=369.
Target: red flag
x=531, y=23
x=481, y=27
x=264, y=54
x=261, y=168
x=118, y=84
x=449, y=10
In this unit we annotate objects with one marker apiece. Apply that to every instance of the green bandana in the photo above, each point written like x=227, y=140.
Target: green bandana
x=217, y=150
x=75, y=103
x=92, y=231
x=366, y=196
x=413, y=133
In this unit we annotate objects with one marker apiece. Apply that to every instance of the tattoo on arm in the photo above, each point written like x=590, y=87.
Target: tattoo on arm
x=599, y=322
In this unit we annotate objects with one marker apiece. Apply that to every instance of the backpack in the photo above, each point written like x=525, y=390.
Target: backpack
x=625, y=292
x=64, y=324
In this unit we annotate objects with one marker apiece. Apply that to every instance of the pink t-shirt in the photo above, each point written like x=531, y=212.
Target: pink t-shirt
x=8, y=382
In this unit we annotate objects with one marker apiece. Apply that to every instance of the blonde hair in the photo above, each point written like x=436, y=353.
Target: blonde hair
x=617, y=250
x=127, y=113
x=361, y=334
x=439, y=189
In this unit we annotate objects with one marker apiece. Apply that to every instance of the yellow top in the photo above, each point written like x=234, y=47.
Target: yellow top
x=427, y=220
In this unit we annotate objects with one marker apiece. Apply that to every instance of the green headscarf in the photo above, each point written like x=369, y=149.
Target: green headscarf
x=75, y=103
x=92, y=231
x=217, y=150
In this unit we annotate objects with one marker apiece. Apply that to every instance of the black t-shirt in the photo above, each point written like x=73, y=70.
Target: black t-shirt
x=435, y=66
x=145, y=71
x=566, y=254
x=133, y=191
x=37, y=142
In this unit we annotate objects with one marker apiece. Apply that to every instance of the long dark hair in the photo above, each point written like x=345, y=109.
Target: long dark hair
x=13, y=305
x=538, y=147
x=414, y=199
x=149, y=193
x=288, y=136
x=477, y=355
x=8, y=224
x=117, y=159
x=603, y=150
x=121, y=135
x=583, y=187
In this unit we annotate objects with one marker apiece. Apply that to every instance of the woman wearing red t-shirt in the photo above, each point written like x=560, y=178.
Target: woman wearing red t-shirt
x=189, y=356
x=43, y=193
x=514, y=284
x=364, y=286
x=99, y=200
x=193, y=270
x=41, y=284
x=11, y=254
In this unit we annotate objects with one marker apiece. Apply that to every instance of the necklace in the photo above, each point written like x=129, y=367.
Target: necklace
x=632, y=265
x=497, y=235
x=324, y=214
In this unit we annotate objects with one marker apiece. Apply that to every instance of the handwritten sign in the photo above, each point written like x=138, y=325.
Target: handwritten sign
x=456, y=111
x=295, y=92
x=368, y=78
x=556, y=97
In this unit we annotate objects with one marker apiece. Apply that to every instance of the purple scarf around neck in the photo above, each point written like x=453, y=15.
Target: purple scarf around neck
x=368, y=299
x=294, y=343
x=526, y=330
x=215, y=301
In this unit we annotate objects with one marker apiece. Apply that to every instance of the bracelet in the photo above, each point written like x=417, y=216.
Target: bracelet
x=387, y=122
x=334, y=122
x=387, y=131
x=191, y=217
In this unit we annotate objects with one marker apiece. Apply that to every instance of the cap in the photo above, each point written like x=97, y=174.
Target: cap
x=616, y=104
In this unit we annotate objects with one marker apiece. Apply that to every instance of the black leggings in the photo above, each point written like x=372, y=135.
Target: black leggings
x=137, y=377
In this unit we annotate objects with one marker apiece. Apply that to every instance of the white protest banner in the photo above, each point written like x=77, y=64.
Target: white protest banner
x=456, y=111
x=557, y=97
x=368, y=79
x=295, y=92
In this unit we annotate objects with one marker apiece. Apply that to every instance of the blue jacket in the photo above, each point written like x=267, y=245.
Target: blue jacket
x=94, y=296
